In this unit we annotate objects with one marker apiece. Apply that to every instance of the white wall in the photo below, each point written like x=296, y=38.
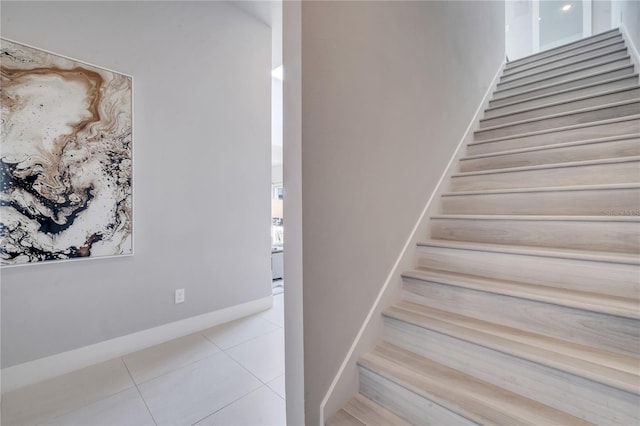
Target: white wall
x=630, y=17
x=202, y=172
x=388, y=89
x=600, y=16
x=292, y=173
x=519, y=29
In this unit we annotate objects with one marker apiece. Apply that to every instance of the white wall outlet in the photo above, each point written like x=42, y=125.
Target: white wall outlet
x=179, y=295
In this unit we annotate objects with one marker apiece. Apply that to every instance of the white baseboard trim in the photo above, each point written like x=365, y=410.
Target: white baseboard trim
x=633, y=49
x=35, y=371
x=403, y=253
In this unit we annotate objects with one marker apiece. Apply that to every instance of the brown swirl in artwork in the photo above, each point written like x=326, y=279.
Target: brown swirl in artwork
x=65, y=156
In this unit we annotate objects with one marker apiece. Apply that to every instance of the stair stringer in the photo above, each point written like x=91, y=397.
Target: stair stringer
x=345, y=384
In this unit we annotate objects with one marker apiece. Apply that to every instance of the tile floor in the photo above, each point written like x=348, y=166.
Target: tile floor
x=228, y=375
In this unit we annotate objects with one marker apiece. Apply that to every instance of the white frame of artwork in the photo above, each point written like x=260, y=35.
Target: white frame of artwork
x=133, y=215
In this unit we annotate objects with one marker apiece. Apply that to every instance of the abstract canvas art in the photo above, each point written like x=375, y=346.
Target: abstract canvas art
x=66, y=157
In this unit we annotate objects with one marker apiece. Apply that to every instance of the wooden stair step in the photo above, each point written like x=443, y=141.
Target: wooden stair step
x=602, y=233
x=610, y=333
x=569, y=133
x=585, y=70
x=553, y=121
x=588, y=75
x=371, y=413
x=565, y=105
x=590, y=172
x=535, y=74
x=584, y=150
x=342, y=418
x=599, y=273
x=625, y=81
x=592, y=302
x=564, y=49
x=510, y=96
x=471, y=398
x=582, y=200
x=577, y=55
x=611, y=369
x=591, y=255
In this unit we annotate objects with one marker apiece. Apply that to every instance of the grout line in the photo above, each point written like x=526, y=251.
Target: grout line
x=138, y=389
x=274, y=391
x=177, y=368
x=263, y=384
x=231, y=403
x=252, y=338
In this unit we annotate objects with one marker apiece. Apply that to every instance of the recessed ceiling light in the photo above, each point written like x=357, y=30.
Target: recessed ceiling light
x=566, y=7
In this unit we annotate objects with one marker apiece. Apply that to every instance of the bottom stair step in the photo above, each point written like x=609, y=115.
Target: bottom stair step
x=436, y=394
x=362, y=411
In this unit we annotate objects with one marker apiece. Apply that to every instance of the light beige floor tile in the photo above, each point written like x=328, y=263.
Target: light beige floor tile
x=160, y=359
x=276, y=313
x=262, y=356
x=277, y=385
x=228, y=335
x=54, y=397
x=261, y=407
x=124, y=408
x=191, y=393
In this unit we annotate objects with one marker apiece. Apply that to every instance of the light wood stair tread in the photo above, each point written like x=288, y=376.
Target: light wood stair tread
x=615, y=370
x=591, y=255
x=568, y=90
x=561, y=74
x=617, y=160
x=499, y=96
x=560, y=114
x=372, y=414
x=605, y=35
x=552, y=146
x=612, y=305
x=558, y=129
x=539, y=217
x=607, y=44
x=597, y=53
x=342, y=418
x=561, y=102
x=461, y=393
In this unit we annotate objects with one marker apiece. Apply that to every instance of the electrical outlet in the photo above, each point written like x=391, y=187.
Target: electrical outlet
x=179, y=295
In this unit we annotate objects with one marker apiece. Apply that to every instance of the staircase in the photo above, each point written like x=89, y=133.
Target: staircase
x=523, y=307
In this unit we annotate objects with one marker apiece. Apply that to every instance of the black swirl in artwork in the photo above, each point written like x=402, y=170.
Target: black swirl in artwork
x=66, y=166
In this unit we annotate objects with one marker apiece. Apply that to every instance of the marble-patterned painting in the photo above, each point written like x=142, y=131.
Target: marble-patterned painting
x=66, y=157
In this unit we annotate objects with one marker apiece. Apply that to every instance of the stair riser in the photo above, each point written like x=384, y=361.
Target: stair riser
x=596, y=277
x=583, y=398
x=597, y=202
x=628, y=109
x=535, y=75
x=566, y=107
x=562, y=51
x=594, y=151
x=623, y=83
x=575, y=56
x=577, y=71
x=413, y=407
x=621, y=237
x=627, y=172
x=588, y=76
x=618, y=128
x=606, y=332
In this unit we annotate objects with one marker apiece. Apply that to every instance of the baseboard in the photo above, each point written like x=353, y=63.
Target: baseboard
x=35, y=371
x=633, y=49
x=331, y=403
